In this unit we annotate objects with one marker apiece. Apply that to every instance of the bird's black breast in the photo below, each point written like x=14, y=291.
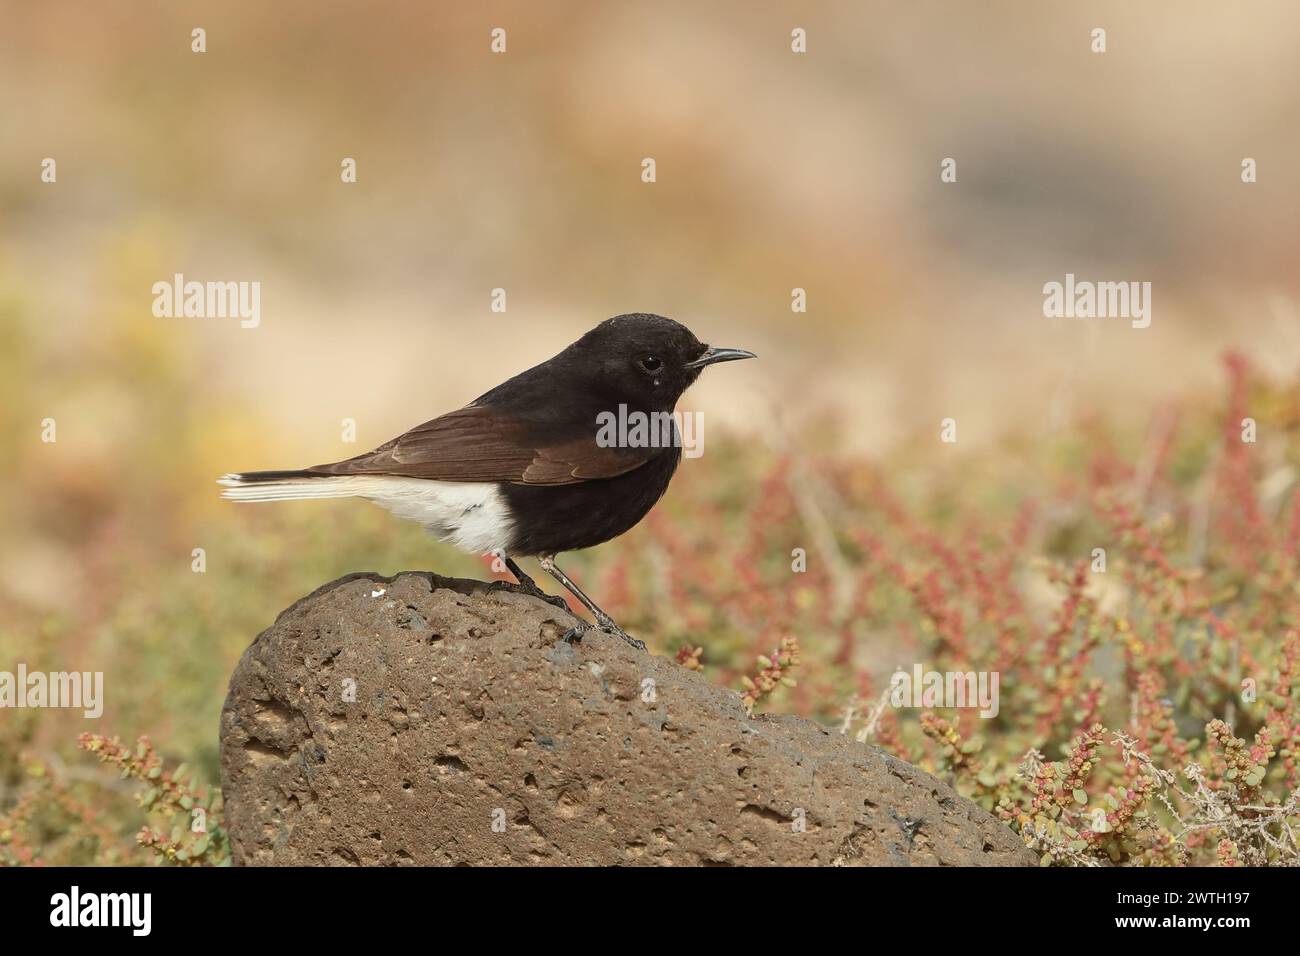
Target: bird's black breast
x=549, y=519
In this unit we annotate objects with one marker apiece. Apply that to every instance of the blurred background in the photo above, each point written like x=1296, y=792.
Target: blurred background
x=522, y=171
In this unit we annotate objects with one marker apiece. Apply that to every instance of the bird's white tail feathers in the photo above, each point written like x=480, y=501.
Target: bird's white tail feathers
x=289, y=489
x=471, y=515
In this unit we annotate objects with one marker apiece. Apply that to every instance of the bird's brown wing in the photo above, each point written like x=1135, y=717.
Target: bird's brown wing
x=477, y=443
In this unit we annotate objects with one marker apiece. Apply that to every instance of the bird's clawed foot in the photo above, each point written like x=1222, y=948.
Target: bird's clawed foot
x=604, y=621
x=608, y=625
x=532, y=590
x=613, y=628
x=574, y=634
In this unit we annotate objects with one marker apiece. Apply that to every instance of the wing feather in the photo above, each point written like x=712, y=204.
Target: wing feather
x=478, y=443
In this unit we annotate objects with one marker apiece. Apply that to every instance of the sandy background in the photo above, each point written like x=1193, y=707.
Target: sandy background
x=774, y=171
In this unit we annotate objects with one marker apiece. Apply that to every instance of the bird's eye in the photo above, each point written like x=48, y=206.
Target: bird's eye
x=651, y=363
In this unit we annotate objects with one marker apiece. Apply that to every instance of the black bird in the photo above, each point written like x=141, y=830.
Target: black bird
x=529, y=468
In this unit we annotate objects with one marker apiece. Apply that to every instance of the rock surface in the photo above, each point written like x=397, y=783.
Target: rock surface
x=429, y=720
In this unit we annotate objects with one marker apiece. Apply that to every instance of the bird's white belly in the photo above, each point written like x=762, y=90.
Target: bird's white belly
x=473, y=516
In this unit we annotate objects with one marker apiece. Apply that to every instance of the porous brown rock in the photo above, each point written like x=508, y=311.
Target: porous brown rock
x=428, y=720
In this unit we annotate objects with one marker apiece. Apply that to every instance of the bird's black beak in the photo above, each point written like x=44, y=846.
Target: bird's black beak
x=713, y=355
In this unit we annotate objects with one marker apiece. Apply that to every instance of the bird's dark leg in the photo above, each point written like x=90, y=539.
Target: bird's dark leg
x=606, y=622
x=518, y=572
x=527, y=584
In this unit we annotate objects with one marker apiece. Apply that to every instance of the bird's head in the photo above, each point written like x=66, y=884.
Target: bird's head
x=646, y=360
